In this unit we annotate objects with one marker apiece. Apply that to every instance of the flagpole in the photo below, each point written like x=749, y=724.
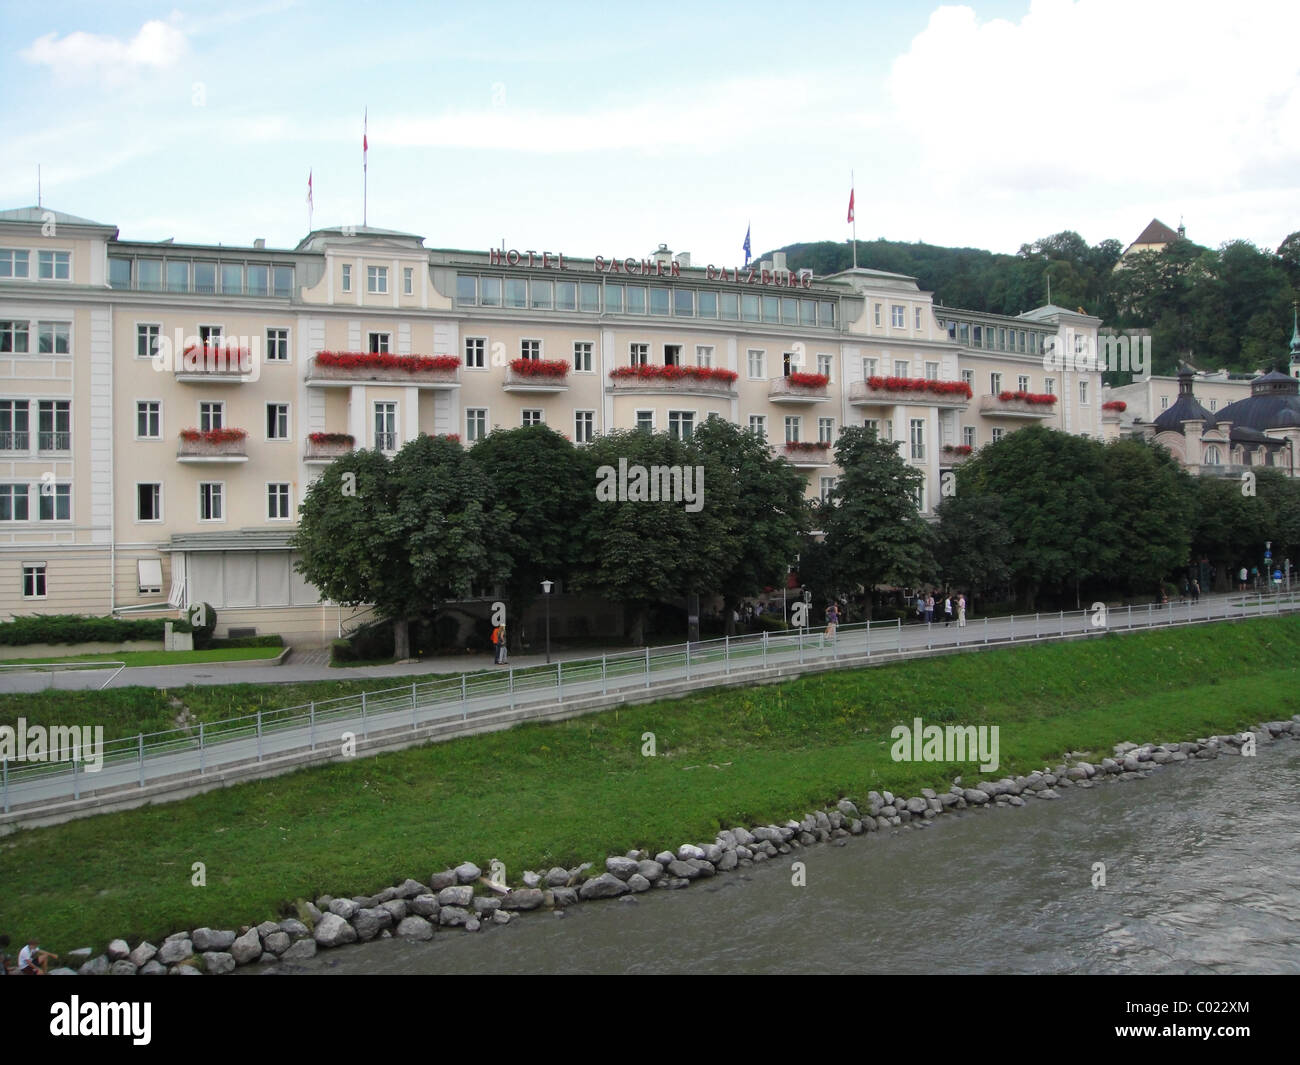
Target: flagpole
x=365, y=168
x=855, y=223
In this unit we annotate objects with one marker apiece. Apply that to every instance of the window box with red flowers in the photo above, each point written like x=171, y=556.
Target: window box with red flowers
x=799, y=388
x=326, y=447
x=1019, y=404
x=213, y=363
x=702, y=380
x=537, y=375
x=1111, y=411
x=213, y=445
x=956, y=454
x=342, y=368
x=912, y=391
x=807, y=452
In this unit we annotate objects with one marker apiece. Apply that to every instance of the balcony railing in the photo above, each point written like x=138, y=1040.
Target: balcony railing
x=213, y=445
x=336, y=369
x=807, y=454
x=54, y=441
x=909, y=391
x=14, y=441
x=1017, y=405
x=954, y=456
x=386, y=441
x=674, y=380
x=799, y=388
x=326, y=447
x=537, y=375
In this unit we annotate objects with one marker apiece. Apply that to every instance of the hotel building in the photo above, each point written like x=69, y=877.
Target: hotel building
x=126, y=483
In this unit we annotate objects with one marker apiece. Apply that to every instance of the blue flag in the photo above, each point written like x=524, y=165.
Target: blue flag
x=746, y=246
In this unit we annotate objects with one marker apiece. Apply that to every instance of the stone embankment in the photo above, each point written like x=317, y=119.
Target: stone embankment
x=450, y=899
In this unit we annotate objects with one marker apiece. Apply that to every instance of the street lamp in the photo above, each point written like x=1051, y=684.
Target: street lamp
x=546, y=591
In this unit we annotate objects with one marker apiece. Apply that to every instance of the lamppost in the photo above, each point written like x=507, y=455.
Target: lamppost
x=546, y=591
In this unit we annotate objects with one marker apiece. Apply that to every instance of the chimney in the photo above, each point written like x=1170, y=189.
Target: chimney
x=259, y=243
x=766, y=264
x=663, y=255
x=683, y=258
x=778, y=261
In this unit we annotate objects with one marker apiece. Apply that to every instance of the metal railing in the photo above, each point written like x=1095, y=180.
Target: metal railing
x=186, y=756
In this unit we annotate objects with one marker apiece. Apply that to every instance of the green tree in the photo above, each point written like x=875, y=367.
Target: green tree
x=1148, y=527
x=972, y=543
x=544, y=485
x=874, y=532
x=765, y=512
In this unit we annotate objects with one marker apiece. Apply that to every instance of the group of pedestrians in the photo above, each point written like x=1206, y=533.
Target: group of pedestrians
x=950, y=607
x=32, y=961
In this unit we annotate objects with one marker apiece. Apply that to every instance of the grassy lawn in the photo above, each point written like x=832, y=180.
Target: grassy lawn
x=547, y=794
x=160, y=658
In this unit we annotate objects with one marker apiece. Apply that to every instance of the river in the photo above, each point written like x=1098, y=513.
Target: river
x=1202, y=867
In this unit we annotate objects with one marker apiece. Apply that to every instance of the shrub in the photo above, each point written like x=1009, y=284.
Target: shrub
x=368, y=642
x=771, y=622
x=203, y=632
x=275, y=640
x=75, y=628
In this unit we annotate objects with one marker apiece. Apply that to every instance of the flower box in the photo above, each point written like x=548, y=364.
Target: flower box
x=799, y=388
x=213, y=362
x=356, y=367
x=1018, y=405
x=915, y=391
x=213, y=445
x=704, y=379
x=325, y=447
x=1037, y=399
x=807, y=452
x=537, y=375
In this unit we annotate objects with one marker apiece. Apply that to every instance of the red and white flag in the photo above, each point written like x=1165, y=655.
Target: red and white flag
x=850, y=218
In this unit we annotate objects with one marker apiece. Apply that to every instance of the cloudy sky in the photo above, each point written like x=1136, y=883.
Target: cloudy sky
x=608, y=129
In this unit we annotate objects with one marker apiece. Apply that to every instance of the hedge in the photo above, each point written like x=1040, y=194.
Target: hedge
x=75, y=628
x=274, y=640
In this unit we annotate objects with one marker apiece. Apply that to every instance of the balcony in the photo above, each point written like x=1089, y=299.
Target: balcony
x=342, y=369
x=537, y=375
x=1018, y=405
x=799, y=388
x=20, y=441
x=220, y=365
x=673, y=381
x=954, y=454
x=909, y=391
x=213, y=446
x=807, y=455
x=324, y=448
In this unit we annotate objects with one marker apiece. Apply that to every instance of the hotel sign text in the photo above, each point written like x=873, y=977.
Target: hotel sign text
x=742, y=275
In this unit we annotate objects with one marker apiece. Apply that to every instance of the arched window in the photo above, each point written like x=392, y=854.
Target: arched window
x=1212, y=456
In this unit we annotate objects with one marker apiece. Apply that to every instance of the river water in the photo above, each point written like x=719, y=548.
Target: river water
x=1202, y=867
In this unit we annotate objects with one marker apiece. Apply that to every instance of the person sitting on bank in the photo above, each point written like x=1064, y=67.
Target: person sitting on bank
x=32, y=961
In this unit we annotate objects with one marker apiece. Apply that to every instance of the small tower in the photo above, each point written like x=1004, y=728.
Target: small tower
x=1295, y=342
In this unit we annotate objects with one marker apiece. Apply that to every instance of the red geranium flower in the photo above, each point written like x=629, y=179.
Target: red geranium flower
x=214, y=436
x=920, y=384
x=365, y=360
x=540, y=367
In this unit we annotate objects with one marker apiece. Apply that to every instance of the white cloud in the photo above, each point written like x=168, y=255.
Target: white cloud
x=156, y=46
x=1105, y=97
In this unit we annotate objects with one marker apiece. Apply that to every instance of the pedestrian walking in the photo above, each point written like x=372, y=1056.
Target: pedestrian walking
x=1241, y=579
x=498, y=643
x=947, y=611
x=832, y=619
x=920, y=606
x=961, y=611
x=1196, y=591
x=929, y=609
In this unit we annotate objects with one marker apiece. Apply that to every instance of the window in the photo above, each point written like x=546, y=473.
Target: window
x=968, y=435
x=918, y=438
x=16, y=264
x=212, y=415
x=584, y=426
x=582, y=356
x=789, y=310
x=277, y=421
x=119, y=271
x=148, y=502
x=889, y=430
x=475, y=424
x=755, y=358
x=54, y=425
x=681, y=424
x=33, y=580
x=210, y=335
x=708, y=304
x=968, y=378
x=566, y=295
x=614, y=299
x=918, y=497
x=1083, y=393
x=826, y=486
x=787, y=362
x=589, y=297
x=347, y=277
x=824, y=364
x=53, y=338
x=963, y=332
x=918, y=318
x=277, y=502
x=149, y=273
x=645, y=421
x=826, y=430
x=684, y=303
x=897, y=315
x=704, y=355
x=378, y=343
x=466, y=290
x=205, y=278
x=532, y=417
x=516, y=292
x=977, y=336
x=149, y=578
x=277, y=345
x=658, y=300
x=232, y=279
x=877, y=308
x=211, y=495
x=995, y=383
x=749, y=307
x=476, y=352
x=902, y=368
x=14, y=338
x=178, y=276
x=635, y=299
x=1002, y=338
x=932, y=371
x=543, y=295
x=55, y=266
x=793, y=424
x=826, y=314
x=14, y=427
x=868, y=368
x=1212, y=458
x=758, y=425
x=282, y=279
x=1164, y=402
x=386, y=425
x=490, y=291
x=672, y=354
x=638, y=354
x=408, y=280
x=998, y=434
x=148, y=419
x=872, y=424
x=1049, y=385
x=530, y=349
x=377, y=279
x=730, y=303
x=55, y=502
x=1214, y=404
x=1022, y=383
x=13, y=502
